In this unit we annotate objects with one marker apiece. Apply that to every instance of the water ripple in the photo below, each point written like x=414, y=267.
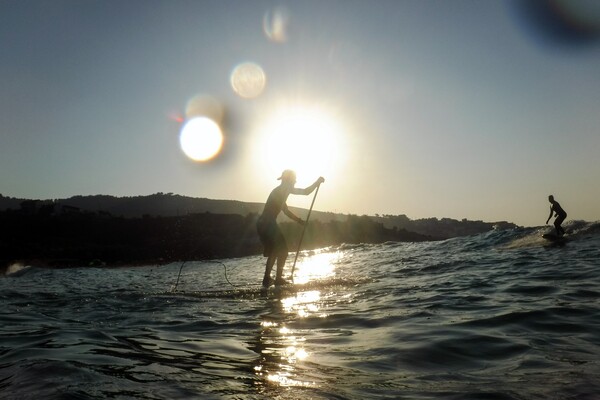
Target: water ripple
x=493, y=316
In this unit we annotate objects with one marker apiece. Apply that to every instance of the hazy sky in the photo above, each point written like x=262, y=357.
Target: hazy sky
x=460, y=109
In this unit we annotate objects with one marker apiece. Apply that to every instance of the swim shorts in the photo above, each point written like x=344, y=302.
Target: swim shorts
x=271, y=237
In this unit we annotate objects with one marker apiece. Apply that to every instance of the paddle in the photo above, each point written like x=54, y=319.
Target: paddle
x=303, y=230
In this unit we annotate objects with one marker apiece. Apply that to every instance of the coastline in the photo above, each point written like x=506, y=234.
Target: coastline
x=105, y=231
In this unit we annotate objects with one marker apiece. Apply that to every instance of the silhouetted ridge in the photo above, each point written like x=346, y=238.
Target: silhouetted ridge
x=160, y=228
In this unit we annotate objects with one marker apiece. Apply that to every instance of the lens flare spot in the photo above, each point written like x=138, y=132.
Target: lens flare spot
x=275, y=24
x=201, y=139
x=248, y=80
x=572, y=23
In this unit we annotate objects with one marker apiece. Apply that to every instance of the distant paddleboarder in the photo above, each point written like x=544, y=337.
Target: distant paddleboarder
x=275, y=246
x=559, y=213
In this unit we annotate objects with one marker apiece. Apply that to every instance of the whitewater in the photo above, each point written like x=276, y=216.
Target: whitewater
x=501, y=315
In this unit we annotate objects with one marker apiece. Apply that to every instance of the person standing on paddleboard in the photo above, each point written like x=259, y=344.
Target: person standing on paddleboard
x=560, y=215
x=275, y=246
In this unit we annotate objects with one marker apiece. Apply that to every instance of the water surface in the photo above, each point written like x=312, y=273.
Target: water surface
x=503, y=315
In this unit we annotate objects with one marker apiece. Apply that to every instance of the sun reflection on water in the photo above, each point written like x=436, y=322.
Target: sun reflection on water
x=303, y=304
x=284, y=353
x=321, y=265
x=281, y=349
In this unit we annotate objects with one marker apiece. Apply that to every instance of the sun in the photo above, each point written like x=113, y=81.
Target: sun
x=201, y=139
x=305, y=139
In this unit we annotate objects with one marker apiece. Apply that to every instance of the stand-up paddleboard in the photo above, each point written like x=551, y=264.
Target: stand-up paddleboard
x=256, y=291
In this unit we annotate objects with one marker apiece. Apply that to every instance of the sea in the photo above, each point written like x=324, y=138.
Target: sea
x=500, y=315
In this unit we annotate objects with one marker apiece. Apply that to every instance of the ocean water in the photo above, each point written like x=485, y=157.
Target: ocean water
x=502, y=315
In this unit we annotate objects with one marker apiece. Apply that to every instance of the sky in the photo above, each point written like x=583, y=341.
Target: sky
x=428, y=108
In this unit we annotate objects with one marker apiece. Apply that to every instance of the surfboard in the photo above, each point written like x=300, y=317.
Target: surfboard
x=553, y=238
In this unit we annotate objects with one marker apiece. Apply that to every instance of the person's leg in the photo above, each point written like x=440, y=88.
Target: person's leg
x=267, y=278
x=559, y=229
x=280, y=264
x=281, y=250
x=267, y=231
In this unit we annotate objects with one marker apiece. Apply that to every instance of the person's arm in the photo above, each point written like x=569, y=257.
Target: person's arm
x=290, y=214
x=310, y=189
x=550, y=216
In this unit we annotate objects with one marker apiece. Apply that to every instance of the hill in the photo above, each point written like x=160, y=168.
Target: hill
x=160, y=228
x=172, y=205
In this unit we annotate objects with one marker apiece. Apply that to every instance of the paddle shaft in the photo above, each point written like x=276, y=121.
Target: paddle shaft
x=303, y=230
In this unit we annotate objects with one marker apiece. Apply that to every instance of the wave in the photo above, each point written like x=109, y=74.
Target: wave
x=17, y=269
x=532, y=236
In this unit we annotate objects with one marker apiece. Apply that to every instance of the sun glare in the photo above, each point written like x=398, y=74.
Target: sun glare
x=315, y=267
x=307, y=140
x=201, y=139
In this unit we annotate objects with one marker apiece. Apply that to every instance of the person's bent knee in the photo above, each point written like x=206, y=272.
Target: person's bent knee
x=281, y=253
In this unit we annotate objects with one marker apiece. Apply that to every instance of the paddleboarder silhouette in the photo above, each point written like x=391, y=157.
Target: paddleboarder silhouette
x=274, y=243
x=559, y=213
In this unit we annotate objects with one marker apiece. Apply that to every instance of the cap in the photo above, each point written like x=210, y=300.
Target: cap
x=287, y=175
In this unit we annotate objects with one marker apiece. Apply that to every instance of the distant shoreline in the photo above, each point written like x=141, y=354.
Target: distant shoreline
x=152, y=230
x=89, y=239
x=171, y=205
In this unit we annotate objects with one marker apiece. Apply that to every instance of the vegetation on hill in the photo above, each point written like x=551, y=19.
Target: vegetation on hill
x=82, y=239
x=100, y=230
x=170, y=205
